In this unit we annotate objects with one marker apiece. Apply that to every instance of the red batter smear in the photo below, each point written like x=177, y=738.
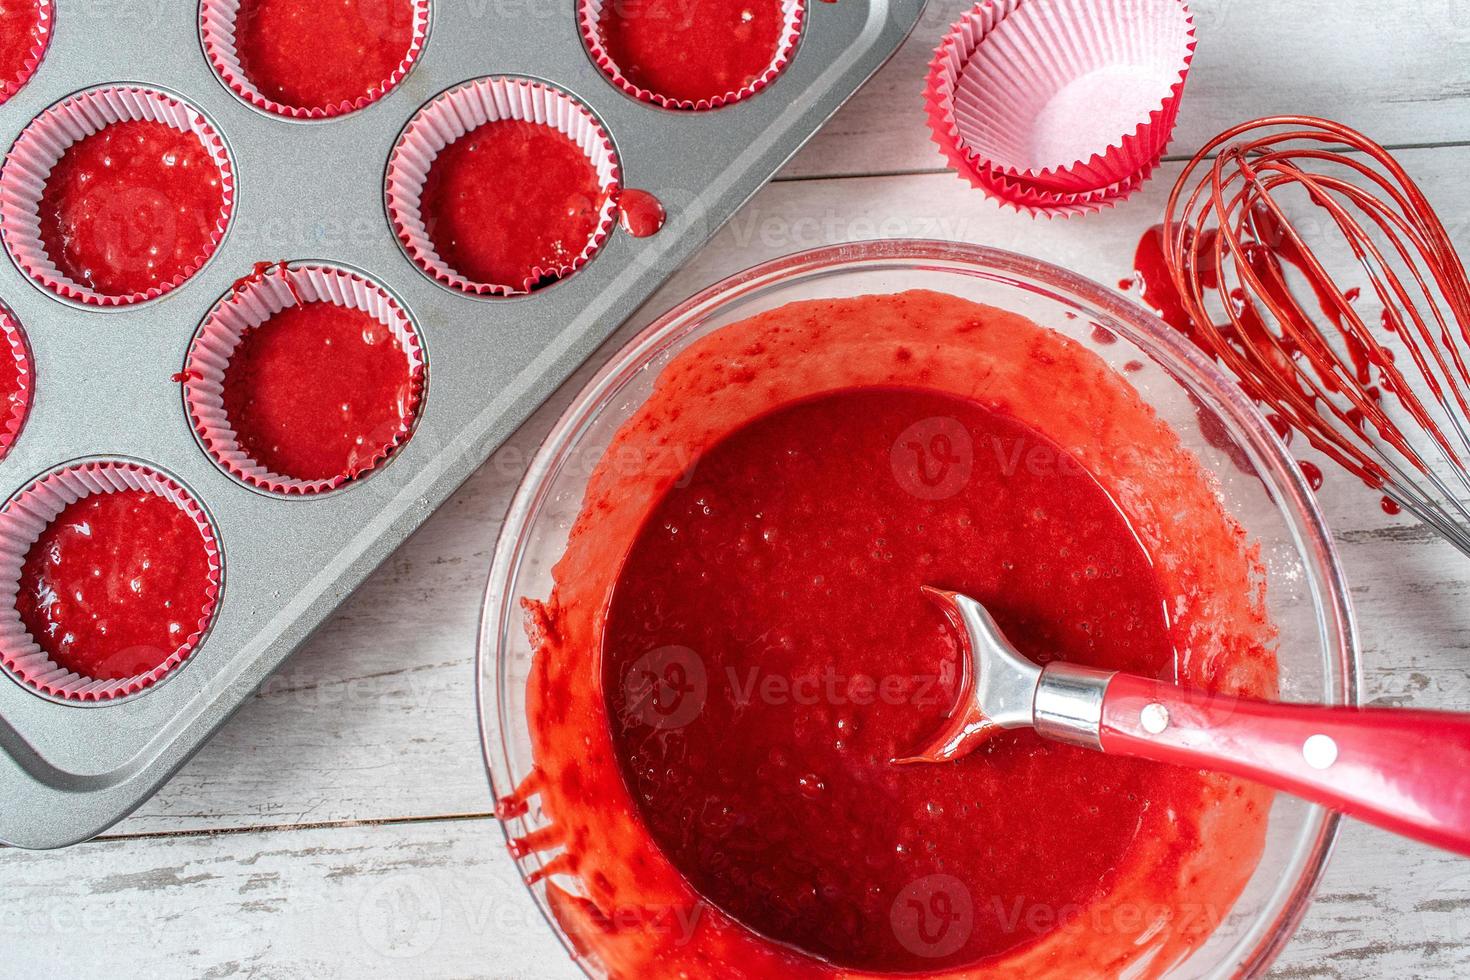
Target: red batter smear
x=115, y=584
x=511, y=204
x=132, y=207
x=20, y=32
x=692, y=50
x=313, y=55
x=845, y=452
x=319, y=391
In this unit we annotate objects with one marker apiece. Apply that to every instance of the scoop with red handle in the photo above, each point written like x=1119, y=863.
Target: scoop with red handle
x=1402, y=770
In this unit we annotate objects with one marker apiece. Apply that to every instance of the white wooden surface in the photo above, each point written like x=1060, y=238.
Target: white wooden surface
x=339, y=825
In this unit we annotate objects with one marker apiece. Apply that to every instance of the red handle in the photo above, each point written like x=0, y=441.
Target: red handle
x=1408, y=771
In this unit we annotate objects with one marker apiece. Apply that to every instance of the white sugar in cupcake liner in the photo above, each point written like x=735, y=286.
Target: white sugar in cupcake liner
x=456, y=112
x=1068, y=95
x=26, y=516
x=252, y=302
x=589, y=19
x=217, y=34
x=45, y=23
x=41, y=145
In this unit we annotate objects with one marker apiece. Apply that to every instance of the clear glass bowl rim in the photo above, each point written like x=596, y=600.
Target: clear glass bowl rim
x=1298, y=502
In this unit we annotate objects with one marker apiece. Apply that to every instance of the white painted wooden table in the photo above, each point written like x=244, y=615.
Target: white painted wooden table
x=340, y=825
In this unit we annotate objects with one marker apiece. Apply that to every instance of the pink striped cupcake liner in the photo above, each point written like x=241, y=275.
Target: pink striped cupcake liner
x=45, y=25
x=253, y=301
x=41, y=145
x=1069, y=96
x=217, y=20
x=22, y=520
x=589, y=19
x=13, y=415
x=456, y=112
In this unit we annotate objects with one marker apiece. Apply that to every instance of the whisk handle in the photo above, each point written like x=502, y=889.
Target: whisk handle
x=1407, y=771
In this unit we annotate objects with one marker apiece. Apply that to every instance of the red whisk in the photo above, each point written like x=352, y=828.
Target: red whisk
x=1246, y=231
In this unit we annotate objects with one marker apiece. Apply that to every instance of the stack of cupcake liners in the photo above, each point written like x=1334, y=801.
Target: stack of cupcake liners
x=1059, y=107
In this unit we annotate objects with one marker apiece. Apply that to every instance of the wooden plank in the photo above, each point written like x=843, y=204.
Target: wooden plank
x=1399, y=73
x=441, y=898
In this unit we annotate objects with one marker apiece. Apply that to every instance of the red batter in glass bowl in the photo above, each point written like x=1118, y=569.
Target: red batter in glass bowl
x=304, y=378
x=112, y=573
x=310, y=60
x=502, y=185
x=691, y=54
x=692, y=744
x=25, y=32
x=116, y=195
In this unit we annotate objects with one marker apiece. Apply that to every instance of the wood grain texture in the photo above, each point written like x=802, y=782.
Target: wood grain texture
x=336, y=826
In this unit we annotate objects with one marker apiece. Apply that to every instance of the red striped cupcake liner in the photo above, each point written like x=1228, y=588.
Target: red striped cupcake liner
x=1030, y=89
x=13, y=418
x=45, y=27
x=42, y=143
x=253, y=301
x=22, y=520
x=456, y=112
x=217, y=35
x=589, y=17
x=1025, y=199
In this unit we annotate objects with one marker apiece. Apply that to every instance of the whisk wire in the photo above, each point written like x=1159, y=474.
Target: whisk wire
x=1229, y=239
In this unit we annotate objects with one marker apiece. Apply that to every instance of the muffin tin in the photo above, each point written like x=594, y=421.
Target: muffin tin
x=107, y=380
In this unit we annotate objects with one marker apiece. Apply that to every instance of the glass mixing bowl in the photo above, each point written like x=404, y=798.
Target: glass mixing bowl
x=1259, y=484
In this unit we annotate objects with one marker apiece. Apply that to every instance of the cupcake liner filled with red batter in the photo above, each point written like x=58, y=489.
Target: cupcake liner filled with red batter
x=25, y=33
x=17, y=379
x=304, y=378
x=308, y=60
x=116, y=195
x=111, y=572
x=1066, y=96
x=502, y=185
x=691, y=54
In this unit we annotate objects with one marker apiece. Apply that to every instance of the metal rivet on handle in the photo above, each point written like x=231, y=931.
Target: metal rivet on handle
x=1154, y=717
x=1320, y=751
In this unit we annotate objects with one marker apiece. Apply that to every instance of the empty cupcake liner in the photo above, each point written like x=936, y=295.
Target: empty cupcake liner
x=589, y=16
x=46, y=20
x=253, y=301
x=217, y=34
x=1066, y=95
x=1026, y=199
x=23, y=519
x=454, y=113
x=42, y=143
x=14, y=417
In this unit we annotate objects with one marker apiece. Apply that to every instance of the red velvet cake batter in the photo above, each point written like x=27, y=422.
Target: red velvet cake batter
x=319, y=391
x=115, y=584
x=511, y=203
x=717, y=780
x=133, y=206
x=314, y=55
x=688, y=50
x=20, y=28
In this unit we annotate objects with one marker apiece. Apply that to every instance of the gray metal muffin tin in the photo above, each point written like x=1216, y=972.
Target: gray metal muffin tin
x=314, y=190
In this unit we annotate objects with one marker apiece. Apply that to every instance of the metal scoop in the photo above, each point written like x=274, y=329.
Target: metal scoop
x=1407, y=771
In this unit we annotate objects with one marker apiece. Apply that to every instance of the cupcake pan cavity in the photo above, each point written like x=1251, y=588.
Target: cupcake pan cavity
x=108, y=381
